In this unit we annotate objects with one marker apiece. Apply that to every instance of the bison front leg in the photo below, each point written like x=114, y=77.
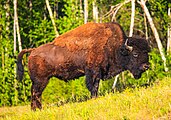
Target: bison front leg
x=92, y=83
x=36, y=92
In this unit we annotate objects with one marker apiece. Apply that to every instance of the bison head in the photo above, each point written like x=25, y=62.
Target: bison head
x=135, y=56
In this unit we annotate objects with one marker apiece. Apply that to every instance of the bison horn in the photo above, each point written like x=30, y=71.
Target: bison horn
x=130, y=48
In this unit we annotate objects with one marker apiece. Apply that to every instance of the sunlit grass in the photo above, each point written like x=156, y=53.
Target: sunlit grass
x=133, y=104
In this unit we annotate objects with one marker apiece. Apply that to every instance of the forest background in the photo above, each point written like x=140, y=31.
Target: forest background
x=31, y=23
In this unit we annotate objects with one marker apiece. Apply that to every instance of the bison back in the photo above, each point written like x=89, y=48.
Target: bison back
x=93, y=38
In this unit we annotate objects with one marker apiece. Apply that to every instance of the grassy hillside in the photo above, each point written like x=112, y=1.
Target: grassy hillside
x=141, y=104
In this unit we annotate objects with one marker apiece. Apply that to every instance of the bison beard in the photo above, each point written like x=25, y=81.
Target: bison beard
x=96, y=50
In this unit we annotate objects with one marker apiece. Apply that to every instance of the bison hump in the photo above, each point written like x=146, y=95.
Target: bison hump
x=88, y=36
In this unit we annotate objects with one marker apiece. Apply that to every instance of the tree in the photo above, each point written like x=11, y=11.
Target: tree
x=85, y=11
x=169, y=34
x=132, y=18
x=52, y=18
x=95, y=11
x=16, y=27
x=160, y=46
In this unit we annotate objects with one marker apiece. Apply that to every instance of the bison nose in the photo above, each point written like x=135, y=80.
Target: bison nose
x=146, y=66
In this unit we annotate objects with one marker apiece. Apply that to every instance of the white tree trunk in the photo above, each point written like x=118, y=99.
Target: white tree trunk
x=142, y=3
x=169, y=34
x=16, y=27
x=52, y=18
x=114, y=83
x=95, y=12
x=132, y=19
x=16, y=31
x=85, y=11
x=7, y=8
x=81, y=9
x=146, y=29
x=55, y=14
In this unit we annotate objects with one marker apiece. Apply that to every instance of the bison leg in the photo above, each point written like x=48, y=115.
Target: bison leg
x=36, y=92
x=92, y=83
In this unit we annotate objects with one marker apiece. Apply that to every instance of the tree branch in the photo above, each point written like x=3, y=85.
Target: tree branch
x=118, y=7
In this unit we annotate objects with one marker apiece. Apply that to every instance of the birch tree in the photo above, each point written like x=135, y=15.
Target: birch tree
x=95, y=12
x=169, y=33
x=156, y=35
x=52, y=18
x=85, y=11
x=132, y=18
x=15, y=36
x=146, y=28
x=81, y=9
x=16, y=27
x=55, y=14
x=16, y=30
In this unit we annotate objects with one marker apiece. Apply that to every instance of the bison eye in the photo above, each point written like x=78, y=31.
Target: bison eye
x=135, y=55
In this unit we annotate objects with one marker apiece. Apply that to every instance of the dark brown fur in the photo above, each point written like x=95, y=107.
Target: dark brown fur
x=96, y=50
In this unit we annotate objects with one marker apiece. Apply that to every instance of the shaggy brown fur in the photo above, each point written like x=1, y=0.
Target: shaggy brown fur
x=96, y=50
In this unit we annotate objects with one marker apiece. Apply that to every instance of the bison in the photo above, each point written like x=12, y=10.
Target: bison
x=94, y=50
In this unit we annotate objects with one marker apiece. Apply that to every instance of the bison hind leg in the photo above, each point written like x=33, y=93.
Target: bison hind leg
x=40, y=73
x=36, y=92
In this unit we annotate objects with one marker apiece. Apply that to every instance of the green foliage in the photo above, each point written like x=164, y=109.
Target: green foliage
x=72, y=18
x=35, y=25
x=60, y=92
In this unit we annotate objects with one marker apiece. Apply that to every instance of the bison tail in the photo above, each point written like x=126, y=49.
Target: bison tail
x=20, y=67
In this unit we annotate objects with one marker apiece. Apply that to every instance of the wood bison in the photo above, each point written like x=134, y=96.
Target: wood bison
x=96, y=50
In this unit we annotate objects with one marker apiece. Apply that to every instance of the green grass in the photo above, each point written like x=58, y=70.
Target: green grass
x=133, y=104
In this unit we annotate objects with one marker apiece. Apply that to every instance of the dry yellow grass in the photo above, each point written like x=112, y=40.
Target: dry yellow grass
x=152, y=103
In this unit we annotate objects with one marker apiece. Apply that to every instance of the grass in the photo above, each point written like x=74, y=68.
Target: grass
x=152, y=103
